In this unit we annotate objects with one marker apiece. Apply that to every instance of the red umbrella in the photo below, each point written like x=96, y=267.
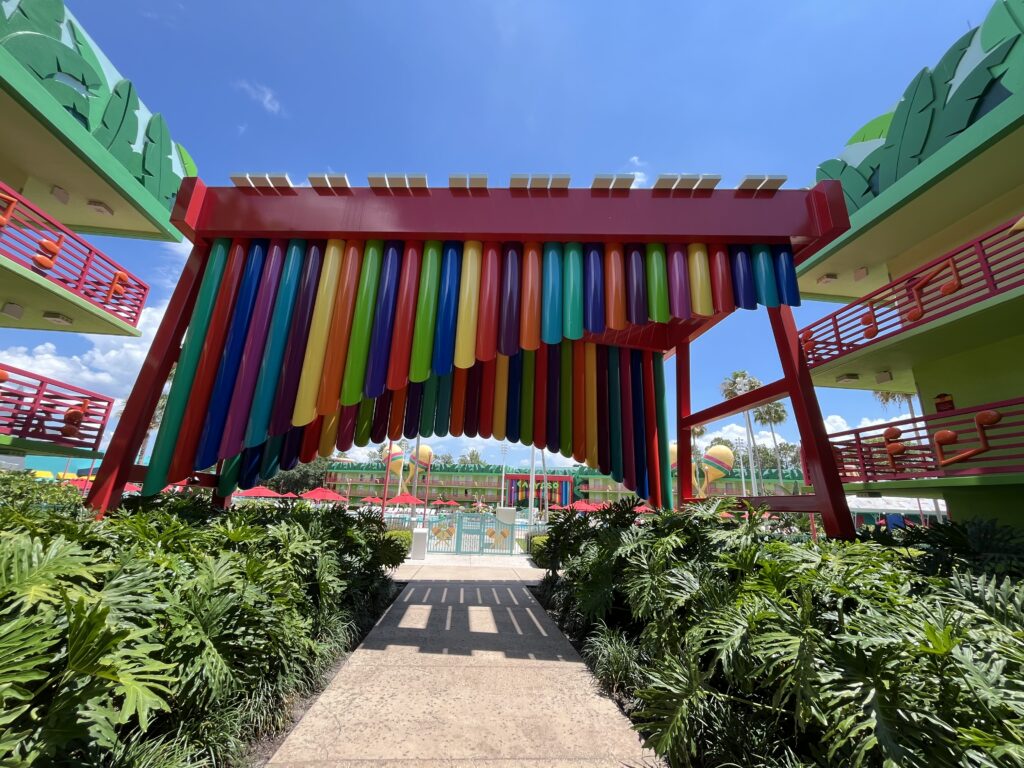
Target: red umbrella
x=404, y=498
x=79, y=482
x=728, y=515
x=259, y=492
x=132, y=488
x=643, y=508
x=556, y=507
x=323, y=494
x=372, y=499
x=439, y=503
x=584, y=506
x=289, y=495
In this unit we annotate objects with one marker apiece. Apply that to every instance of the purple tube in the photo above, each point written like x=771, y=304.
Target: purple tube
x=678, y=282
x=508, y=334
x=290, y=448
x=295, y=351
x=552, y=431
x=383, y=321
x=743, y=289
x=252, y=354
x=346, y=427
x=471, y=423
x=593, y=288
x=413, y=406
x=636, y=285
x=381, y=415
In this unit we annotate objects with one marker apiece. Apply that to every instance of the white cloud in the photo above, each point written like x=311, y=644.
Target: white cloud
x=262, y=95
x=636, y=166
x=735, y=432
x=836, y=423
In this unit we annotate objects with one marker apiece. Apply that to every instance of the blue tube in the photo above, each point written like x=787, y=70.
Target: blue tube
x=593, y=288
x=383, y=321
x=234, y=345
x=249, y=475
x=785, y=276
x=271, y=461
x=447, y=309
x=551, y=305
x=743, y=289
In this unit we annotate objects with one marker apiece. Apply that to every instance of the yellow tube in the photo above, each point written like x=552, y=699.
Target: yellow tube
x=500, y=396
x=328, y=434
x=469, y=296
x=590, y=387
x=313, y=363
x=700, y=280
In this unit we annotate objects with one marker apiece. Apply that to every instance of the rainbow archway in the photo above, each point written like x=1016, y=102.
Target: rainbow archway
x=309, y=319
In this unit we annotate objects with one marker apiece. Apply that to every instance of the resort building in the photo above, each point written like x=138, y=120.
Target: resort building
x=80, y=154
x=930, y=277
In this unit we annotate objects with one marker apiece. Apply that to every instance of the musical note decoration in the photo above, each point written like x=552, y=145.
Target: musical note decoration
x=48, y=252
x=117, y=285
x=894, y=447
x=4, y=376
x=870, y=322
x=808, y=342
x=10, y=203
x=947, y=437
x=948, y=288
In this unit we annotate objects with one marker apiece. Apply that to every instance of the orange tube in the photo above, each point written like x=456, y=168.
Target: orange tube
x=341, y=327
x=614, y=287
x=579, y=403
x=458, y=421
x=529, y=325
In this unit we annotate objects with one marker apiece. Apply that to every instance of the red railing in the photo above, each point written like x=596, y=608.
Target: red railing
x=35, y=240
x=34, y=407
x=982, y=440
x=986, y=267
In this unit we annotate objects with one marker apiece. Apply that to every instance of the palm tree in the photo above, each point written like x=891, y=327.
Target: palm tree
x=885, y=399
x=769, y=415
x=739, y=383
x=471, y=457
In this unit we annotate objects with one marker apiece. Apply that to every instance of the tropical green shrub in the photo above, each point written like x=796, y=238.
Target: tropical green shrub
x=404, y=539
x=538, y=549
x=174, y=634
x=730, y=645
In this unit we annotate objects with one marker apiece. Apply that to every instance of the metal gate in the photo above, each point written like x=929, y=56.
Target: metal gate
x=471, y=533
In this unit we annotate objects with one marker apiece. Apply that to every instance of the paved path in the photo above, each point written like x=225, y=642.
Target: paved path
x=464, y=669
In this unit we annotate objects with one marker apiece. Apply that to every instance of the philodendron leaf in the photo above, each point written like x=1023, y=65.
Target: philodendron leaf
x=958, y=112
x=909, y=130
x=119, y=126
x=1005, y=22
x=856, y=188
x=67, y=76
x=98, y=100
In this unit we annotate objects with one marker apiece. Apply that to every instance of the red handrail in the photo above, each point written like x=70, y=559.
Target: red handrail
x=982, y=268
x=979, y=440
x=35, y=407
x=37, y=241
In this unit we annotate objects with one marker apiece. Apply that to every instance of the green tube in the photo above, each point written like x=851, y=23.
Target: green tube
x=662, y=417
x=228, y=480
x=426, y=312
x=526, y=397
x=362, y=324
x=443, y=413
x=565, y=400
x=271, y=462
x=615, y=413
x=657, y=283
x=572, y=296
x=184, y=373
x=364, y=420
x=428, y=407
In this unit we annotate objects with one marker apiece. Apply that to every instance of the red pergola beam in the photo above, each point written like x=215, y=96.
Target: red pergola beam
x=806, y=218
x=763, y=394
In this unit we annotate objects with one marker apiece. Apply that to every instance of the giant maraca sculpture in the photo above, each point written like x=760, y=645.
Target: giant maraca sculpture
x=419, y=461
x=717, y=463
x=673, y=456
x=394, y=461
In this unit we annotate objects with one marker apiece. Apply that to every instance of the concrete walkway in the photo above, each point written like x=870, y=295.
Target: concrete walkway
x=464, y=669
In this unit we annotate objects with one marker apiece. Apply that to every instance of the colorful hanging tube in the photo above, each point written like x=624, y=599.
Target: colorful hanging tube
x=565, y=387
x=508, y=332
x=639, y=424
x=447, y=309
x=667, y=499
x=405, y=317
x=500, y=419
x=593, y=289
x=628, y=447
x=551, y=306
x=428, y=406
x=540, y=398
x=396, y=421
x=701, y=301
x=457, y=417
x=743, y=289
x=469, y=306
x=579, y=402
x=515, y=381
x=270, y=462
x=471, y=426
x=590, y=394
x=339, y=327
x=328, y=435
x=413, y=408
x=488, y=304
x=305, y=409
x=362, y=325
x=347, y=427
x=487, y=382
x=185, y=372
x=721, y=280
x=216, y=414
x=528, y=381
x=678, y=277
x=530, y=307
x=604, y=457
x=364, y=420
x=307, y=438
x=615, y=287
x=651, y=432
x=442, y=414
x=381, y=417
x=764, y=277
x=426, y=312
x=785, y=276
x=383, y=320
x=657, y=283
x=615, y=414
x=636, y=285
x=554, y=419
x=572, y=292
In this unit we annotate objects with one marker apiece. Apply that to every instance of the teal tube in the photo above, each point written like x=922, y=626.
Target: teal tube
x=443, y=412
x=657, y=283
x=661, y=415
x=273, y=351
x=426, y=312
x=764, y=277
x=270, y=464
x=362, y=324
x=551, y=305
x=228, y=479
x=572, y=304
x=429, y=404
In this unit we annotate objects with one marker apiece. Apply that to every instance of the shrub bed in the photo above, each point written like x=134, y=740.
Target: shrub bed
x=175, y=634
x=730, y=645
x=538, y=550
x=403, y=538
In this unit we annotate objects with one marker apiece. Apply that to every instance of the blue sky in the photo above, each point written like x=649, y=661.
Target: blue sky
x=502, y=87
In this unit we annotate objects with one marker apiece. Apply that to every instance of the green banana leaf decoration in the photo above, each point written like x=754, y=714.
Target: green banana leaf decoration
x=157, y=174
x=1006, y=22
x=856, y=188
x=904, y=143
x=85, y=50
x=119, y=126
x=41, y=16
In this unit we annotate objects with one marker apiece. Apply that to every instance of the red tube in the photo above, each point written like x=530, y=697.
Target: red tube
x=405, y=317
x=311, y=440
x=488, y=305
x=651, y=430
x=721, y=279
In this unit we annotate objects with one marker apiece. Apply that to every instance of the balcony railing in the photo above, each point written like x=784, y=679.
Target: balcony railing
x=38, y=242
x=986, y=267
x=37, y=408
x=983, y=440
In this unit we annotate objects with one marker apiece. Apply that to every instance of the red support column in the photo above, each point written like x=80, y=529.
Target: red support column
x=138, y=411
x=821, y=462
x=684, y=454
